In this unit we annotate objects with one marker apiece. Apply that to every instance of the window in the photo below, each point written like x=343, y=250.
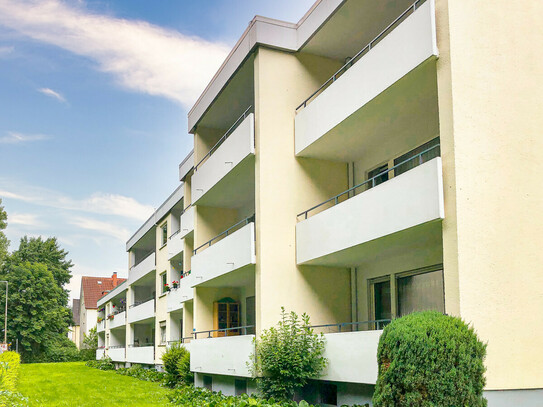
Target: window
x=328, y=394
x=427, y=156
x=163, y=333
x=241, y=387
x=381, y=178
x=208, y=382
x=164, y=233
x=420, y=291
x=164, y=280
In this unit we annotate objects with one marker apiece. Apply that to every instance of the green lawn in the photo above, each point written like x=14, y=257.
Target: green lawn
x=74, y=384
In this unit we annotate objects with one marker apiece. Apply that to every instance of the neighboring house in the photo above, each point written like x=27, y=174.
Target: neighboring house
x=74, y=330
x=375, y=159
x=92, y=288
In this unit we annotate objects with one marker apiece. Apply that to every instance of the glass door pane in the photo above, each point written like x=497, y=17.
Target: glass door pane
x=382, y=303
x=421, y=292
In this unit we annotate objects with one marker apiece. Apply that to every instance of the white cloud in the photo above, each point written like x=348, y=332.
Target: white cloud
x=141, y=56
x=53, y=94
x=4, y=51
x=13, y=137
x=24, y=219
x=100, y=203
x=105, y=228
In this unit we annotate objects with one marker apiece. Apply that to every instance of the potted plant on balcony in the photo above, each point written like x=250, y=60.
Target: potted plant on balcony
x=166, y=287
x=111, y=316
x=100, y=319
x=175, y=284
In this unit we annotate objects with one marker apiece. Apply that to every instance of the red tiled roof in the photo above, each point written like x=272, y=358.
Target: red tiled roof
x=93, y=288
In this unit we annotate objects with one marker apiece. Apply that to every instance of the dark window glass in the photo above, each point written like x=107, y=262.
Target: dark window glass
x=379, y=174
x=329, y=394
x=241, y=387
x=382, y=300
x=208, y=382
x=164, y=234
x=412, y=163
x=421, y=292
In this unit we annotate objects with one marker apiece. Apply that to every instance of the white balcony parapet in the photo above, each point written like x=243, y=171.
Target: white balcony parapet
x=186, y=165
x=410, y=199
x=374, y=69
x=141, y=354
x=100, y=352
x=100, y=326
x=186, y=221
x=234, y=251
x=117, y=354
x=143, y=268
x=176, y=244
x=118, y=320
x=352, y=357
x=185, y=292
x=231, y=149
x=224, y=356
x=142, y=311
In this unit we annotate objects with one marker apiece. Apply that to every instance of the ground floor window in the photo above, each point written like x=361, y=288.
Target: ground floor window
x=241, y=387
x=329, y=394
x=163, y=332
x=208, y=382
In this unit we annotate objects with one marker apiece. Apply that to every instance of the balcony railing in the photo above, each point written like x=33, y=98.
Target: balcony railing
x=231, y=229
x=179, y=230
x=224, y=137
x=352, y=326
x=186, y=339
x=139, y=302
x=362, y=52
x=371, y=182
x=220, y=333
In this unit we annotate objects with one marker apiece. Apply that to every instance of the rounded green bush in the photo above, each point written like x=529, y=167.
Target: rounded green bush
x=428, y=359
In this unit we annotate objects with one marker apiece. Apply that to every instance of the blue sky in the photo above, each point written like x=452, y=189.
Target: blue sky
x=94, y=97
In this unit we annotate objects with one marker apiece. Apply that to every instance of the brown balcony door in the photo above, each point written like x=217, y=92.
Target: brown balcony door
x=226, y=315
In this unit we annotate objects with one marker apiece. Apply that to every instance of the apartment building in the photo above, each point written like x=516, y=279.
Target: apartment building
x=374, y=159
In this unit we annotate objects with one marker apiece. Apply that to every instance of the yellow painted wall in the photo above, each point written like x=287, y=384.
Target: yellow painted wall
x=286, y=186
x=162, y=265
x=209, y=222
x=490, y=76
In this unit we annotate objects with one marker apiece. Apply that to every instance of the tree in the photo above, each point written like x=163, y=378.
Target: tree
x=35, y=316
x=90, y=344
x=4, y=242
x=287, y=356
x=428, y=359
x=49, y=253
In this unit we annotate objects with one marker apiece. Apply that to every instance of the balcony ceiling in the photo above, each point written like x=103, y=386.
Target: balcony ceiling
x=234, y=99
x=408, y=110
x=353, y=26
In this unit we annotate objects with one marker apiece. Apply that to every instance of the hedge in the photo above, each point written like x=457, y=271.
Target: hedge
x=9, y=370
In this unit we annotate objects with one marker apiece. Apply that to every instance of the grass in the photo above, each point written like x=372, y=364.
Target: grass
x=74, y=384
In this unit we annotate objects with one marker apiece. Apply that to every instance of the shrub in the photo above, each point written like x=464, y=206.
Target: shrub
x=175, y=361
x=138, y=372
x=9, y=371
x=90, y=344
x=287, y=356
x=189, y=396
x=103, y=364
x=60, y=349
x=183, y=369
x=428, y=359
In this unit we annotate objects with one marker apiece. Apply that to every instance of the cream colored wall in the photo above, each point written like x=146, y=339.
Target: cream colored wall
x=490, y=76
x=162, y=265
x=286, y=186
x=204, y=139
x=209, y=222
x=188, y=318
x=203, y=304
x=187, y=193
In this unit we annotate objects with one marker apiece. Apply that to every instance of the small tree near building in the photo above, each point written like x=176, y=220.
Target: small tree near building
x=287, y=356
x=428, y=359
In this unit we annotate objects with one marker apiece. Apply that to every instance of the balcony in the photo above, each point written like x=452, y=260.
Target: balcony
x=352, y=356
x=177, y=296
x=230, y=251
x=394, y=76
x=402, y=210
x=224, y=356
x=141, y=269
x=226, y=173
x=101, y=326
x=176, y=244
x=100, y=353
x=141, y=354
x=141, y=311
x=116, y=353
x=187, y=221
x=119, y=320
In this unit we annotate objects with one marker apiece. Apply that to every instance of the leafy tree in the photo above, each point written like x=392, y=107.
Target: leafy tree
x=49, y=253
x=4, y=242
x=428, y=359
x=287, y=356
x=90, y=344
x=35, y=317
